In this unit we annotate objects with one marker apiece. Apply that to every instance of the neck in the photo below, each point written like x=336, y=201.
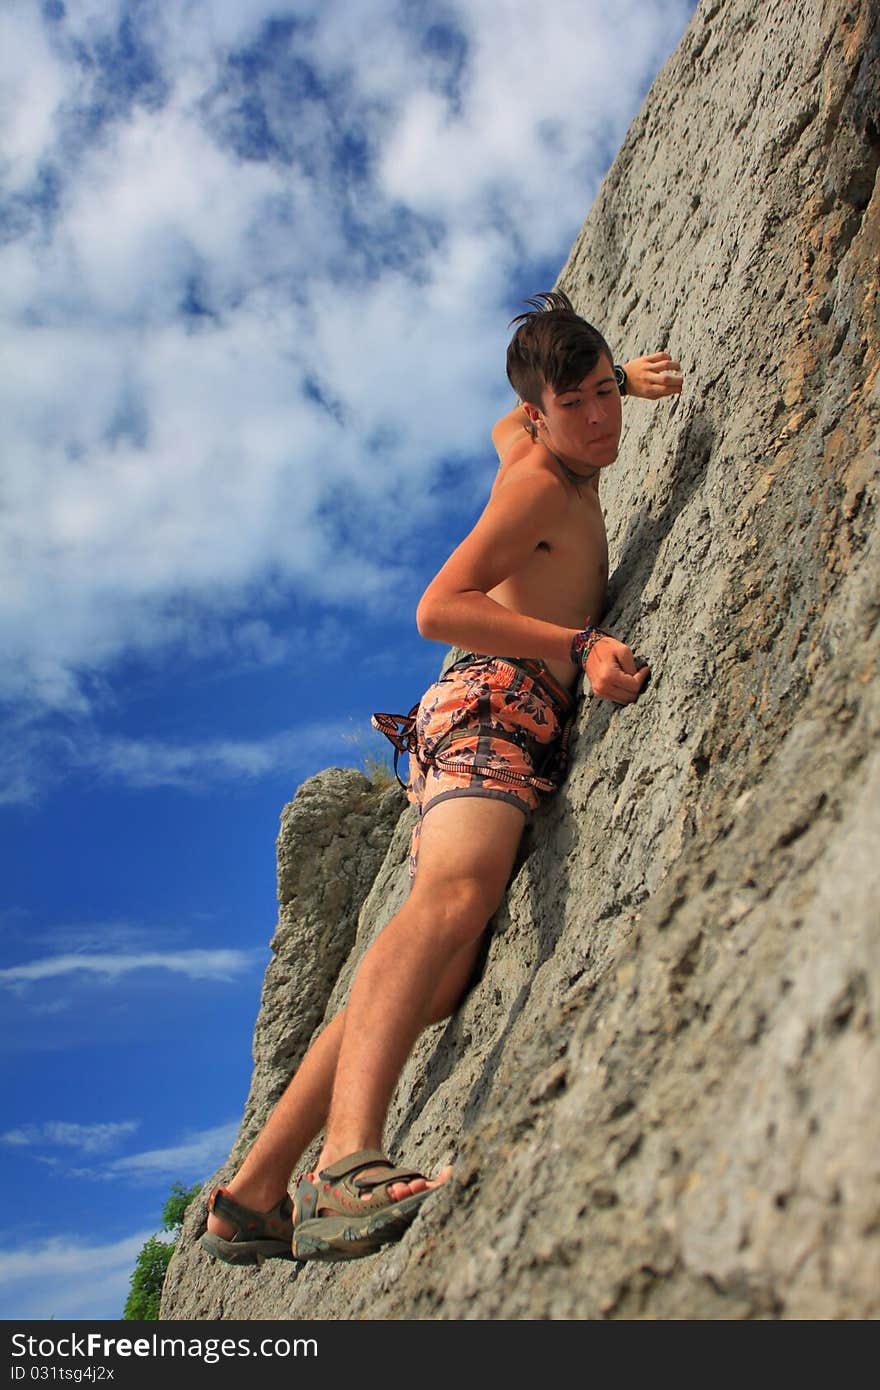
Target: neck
x=572, y=474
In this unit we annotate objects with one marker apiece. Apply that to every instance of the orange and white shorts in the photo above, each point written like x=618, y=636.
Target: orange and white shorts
x=489, y=727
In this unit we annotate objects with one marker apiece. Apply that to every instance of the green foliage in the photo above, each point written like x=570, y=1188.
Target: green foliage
x=174, y=1209
x=142, y=1304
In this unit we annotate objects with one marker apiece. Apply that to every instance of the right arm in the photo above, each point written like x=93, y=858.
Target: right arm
x=456, y=607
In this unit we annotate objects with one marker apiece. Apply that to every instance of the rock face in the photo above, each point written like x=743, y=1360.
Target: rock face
x=661, y=1096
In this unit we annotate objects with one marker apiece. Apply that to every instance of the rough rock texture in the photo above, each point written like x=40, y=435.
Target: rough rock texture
x=661, y=1097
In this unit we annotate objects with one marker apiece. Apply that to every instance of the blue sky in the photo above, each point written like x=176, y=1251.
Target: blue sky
x=258, y=265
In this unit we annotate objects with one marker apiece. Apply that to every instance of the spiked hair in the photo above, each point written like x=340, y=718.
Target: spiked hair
x=552, y=346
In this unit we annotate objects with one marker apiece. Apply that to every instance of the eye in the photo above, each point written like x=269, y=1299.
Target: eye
x=569, y=405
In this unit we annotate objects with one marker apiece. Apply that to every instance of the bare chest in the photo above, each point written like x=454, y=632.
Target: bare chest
x=565, y=578
x=579, y=546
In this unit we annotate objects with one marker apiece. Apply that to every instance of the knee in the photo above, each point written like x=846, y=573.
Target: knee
x=459, y=909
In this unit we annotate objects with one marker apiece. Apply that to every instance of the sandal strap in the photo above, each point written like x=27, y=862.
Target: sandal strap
x=352, y=1163
x=248, y=1224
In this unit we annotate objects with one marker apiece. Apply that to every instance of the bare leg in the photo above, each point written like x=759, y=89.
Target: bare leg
x=301, y=1113
x=262, y=1179
x=465, y=857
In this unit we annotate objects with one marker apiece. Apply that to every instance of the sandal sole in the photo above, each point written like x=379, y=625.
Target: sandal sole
x=347, y=1238
x=244, y=1252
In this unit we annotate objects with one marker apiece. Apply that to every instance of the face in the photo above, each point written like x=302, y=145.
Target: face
x=582, y=425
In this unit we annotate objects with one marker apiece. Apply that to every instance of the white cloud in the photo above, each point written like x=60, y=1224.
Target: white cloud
x=32, y=83
x=530, y=134
x=195, y=1154
x=136, y=203
x=26, y=763
x=220, y=965
x=88, y=1139
x=192, y=1156
x=66, y=1278
x=154, y=764
x=161, y=465
x=31, y=757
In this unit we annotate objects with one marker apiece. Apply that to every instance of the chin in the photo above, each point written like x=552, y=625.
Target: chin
x=603, y=458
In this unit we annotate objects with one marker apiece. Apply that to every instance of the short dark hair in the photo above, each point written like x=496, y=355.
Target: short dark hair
x=552, y=346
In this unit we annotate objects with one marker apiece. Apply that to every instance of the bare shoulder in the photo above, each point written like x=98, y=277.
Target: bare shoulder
x=527, y=491
x=527, y=467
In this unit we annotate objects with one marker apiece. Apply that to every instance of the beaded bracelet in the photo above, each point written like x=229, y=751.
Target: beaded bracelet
x=583, y=643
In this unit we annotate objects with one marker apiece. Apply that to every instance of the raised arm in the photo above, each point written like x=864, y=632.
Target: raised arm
x=653, y=376
x=513, y=428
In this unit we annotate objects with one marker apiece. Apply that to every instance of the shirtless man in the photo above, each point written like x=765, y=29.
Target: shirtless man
x=530, y=582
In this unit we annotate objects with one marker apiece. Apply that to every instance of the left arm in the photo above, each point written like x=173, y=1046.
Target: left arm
x=653, y=376
x=511, y=429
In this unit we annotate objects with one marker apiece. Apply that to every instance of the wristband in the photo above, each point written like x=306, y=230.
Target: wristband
x=578, y=642
x=583, y=643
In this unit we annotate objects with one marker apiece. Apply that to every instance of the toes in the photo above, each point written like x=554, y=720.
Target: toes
x=399, y=1190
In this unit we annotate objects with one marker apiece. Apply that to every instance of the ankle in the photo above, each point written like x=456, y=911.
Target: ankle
x=333, y=1152
x=258, y=1195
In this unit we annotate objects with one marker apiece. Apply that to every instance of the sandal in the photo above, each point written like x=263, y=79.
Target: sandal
x=259, y=1235
x=335, y=1222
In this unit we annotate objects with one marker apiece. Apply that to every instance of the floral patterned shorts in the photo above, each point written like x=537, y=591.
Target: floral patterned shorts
x=492, y=728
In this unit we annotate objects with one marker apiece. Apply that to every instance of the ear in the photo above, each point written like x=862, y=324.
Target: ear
x=533, y=413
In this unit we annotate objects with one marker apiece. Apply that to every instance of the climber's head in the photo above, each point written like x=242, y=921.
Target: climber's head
x=562, y=370
x=552, y=346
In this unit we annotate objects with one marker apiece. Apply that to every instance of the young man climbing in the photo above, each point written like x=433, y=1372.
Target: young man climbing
x=521, y=597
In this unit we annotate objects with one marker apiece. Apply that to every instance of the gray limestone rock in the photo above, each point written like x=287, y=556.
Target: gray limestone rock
x=661, y=1094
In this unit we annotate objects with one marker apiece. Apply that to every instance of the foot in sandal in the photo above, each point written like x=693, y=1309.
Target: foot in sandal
x=356, y=1205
